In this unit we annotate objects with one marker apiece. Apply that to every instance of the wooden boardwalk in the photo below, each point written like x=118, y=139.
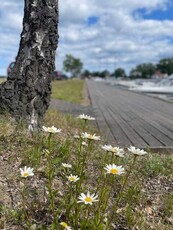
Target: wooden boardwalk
x=126, y=118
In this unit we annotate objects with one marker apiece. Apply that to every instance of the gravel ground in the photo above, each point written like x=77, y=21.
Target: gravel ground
x=71, y=108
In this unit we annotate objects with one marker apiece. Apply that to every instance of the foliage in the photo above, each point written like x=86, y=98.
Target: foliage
x=156, y=165
x=68, y=90
x=104, y=73
x=119, y=72
x=72, y=65
x=101, y=74
x=145, y=70
x=165, y=65
x=86, y=73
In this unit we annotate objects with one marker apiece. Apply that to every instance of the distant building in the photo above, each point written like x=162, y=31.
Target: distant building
x=158, y=74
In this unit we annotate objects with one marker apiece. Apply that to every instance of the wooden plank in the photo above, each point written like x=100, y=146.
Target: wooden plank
x=153, y=128
x=101, y=122
x=132, y=118
x=166, y=132
x=128, y=130
x=144, y=137
x=120, y=136
x=148, y=138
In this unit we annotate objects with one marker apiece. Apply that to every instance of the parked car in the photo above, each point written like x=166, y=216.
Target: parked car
x=10, y=67
x=57, y=75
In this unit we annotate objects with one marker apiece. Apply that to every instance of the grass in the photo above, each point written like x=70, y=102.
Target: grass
x=145, y=203
x=68, y=90
x=157, y=165
x=2, y=79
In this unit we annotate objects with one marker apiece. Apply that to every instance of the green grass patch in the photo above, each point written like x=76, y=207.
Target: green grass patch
x=68, y=90
x=156, y=165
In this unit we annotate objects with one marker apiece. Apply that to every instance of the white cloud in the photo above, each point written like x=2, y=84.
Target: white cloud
x=120, y=38
x=11, y=14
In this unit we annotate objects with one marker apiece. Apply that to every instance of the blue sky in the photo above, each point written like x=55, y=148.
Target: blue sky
x=158, y=14
x=92, y=20
x=103, y=34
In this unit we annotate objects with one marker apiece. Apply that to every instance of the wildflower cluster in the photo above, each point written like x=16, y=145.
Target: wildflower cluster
x=79, y=194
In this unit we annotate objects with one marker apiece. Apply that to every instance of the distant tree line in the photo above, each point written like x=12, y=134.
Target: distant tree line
x=144, y=70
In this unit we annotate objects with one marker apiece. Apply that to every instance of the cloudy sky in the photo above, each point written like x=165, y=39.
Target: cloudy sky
x=103, y=34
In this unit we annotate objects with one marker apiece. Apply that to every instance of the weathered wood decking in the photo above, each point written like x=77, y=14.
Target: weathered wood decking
x=127, y=118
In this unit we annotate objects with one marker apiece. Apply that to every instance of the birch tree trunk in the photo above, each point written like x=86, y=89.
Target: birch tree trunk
x=26, y=93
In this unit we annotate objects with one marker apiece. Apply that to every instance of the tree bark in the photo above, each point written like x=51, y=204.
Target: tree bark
x=26, y=93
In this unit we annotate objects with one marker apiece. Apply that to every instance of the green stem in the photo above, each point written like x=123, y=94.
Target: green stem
x=50, y=175
x=105, y=158
x=125, y=180
x=84, y=158
x=24, y=205
x=112, y=158
x=78, y=160
x=122, y=188
x=87, y=217
x=105, y=195
x=84, y=126
x=69, y=202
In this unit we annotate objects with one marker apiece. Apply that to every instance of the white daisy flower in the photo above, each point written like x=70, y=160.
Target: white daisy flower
x=116, y=150
x=114, y=169
x=107, y=148
x=119, y=153
x=65, y=225
x=66, y=165
x=25, y=172
x=84, y=143
x=87, y=199
x=86, y=117
x=90, y=137
x=52, y=129
x=72, y=178
x=76, y=136
x=136, y=151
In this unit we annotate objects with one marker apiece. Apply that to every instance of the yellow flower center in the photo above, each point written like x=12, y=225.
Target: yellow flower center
x=115, y=150
x=25, y=174
x=88, y=199
x=64, y=224
x=114, y=171
x=72, y=178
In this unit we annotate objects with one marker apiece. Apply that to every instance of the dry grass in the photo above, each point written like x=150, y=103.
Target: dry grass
x=2, y=80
